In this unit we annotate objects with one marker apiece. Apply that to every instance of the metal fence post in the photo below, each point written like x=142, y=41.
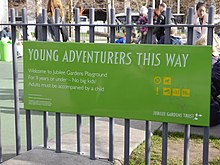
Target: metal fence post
x=186, y=144
x=58, y=116
x=45, y=114
x=1, y=159
x=92, y=137
x=91, y=26
x=112, y=27
x=190, y=29
x=92, y=118
x=167, y=29
x=147, y=142
x=206, y=129
x=128, y=25
x=148, y=123
x=126, y=141
x=77, y=28
x=111, y=120
x=150, y=29
x=164, y=143
x=78, y=117
x=127, y=121
x=28, y=112
x=15, y=78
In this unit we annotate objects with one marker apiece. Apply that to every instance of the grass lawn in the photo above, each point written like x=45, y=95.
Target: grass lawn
x=176, y=149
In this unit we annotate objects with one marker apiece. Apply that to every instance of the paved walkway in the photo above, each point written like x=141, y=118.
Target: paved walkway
x=40, y=156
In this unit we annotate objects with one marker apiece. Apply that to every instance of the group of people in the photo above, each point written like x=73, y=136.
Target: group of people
x=199, y=38
x=200, y=35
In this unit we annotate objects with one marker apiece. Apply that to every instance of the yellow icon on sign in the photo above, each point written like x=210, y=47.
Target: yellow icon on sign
x=167, y=80
x=186, y=92
x=175, y=91
x=166, y=91
x=157, y=80
x=157, y=91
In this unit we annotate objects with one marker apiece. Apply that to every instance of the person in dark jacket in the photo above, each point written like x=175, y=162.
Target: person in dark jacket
x=175, y=40
x=6, y=32
x=159, y=31
x=215, y=80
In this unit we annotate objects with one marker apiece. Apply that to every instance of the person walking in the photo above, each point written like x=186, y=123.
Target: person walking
x=159, y=31
x=51, y=6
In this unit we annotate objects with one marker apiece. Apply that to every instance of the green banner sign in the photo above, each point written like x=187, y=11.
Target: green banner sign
x=163, y=83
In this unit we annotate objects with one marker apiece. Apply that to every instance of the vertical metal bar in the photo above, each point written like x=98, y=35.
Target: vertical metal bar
x=15, y=81
x=45, y=116
x=206, y=146
x=147, y=142
x=186, y=144
x=210, y=22
x=91, y=27
x=111, y=120
x=44, y=28
x=128, y=28
x=58, y=133
x=78, y=117
x=28, y=112
x=111, y=139
x=77, y=28
x=206, y=129
x=92, y=137
x=28, y=128
x=127, y=121
x=150, y=29
x=24, y=27
x=57, y=21
x=78, y=134
x=164, y=143
x=112, y=28
x=126, y=141
x=167, y=29
x=58, y=117
x=1, y=159
x=190, y=29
